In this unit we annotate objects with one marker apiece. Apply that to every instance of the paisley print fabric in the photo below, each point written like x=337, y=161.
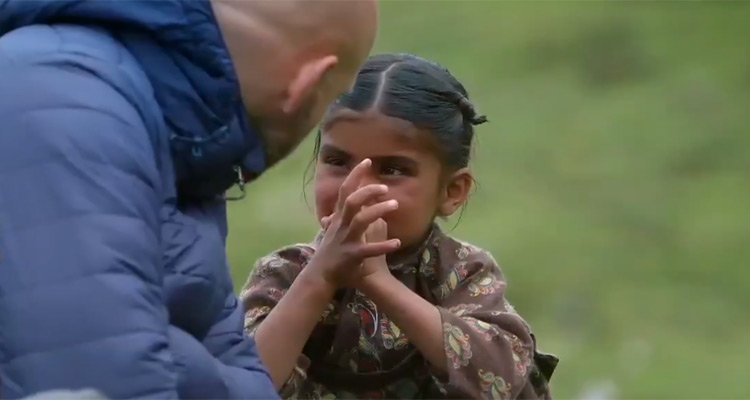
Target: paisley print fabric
x=357, y=352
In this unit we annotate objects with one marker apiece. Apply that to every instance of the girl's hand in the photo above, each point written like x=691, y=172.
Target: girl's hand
x=340, y=255
x=375, y=233
x=372, y=267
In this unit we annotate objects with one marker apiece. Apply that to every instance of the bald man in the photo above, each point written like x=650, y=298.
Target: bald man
x=122, y=125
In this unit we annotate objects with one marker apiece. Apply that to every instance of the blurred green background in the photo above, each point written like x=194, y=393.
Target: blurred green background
x=614, y=182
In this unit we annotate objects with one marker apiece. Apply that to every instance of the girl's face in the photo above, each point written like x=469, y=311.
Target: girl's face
x=403, y=158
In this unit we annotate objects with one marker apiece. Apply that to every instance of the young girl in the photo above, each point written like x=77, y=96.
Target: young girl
x=336, y=318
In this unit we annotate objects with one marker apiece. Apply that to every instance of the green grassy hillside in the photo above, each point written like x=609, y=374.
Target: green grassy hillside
x=614, y=182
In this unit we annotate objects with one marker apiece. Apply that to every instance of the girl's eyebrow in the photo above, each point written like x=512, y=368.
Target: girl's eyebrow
x=400, y=160
x=331, y=149
x=394, y=159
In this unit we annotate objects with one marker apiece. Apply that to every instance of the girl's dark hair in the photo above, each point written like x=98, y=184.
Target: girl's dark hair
x=420, y=91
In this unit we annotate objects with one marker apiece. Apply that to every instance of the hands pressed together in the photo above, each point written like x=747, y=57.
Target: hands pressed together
x=355, y=240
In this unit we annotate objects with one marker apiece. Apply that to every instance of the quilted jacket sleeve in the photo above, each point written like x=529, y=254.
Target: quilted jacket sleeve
x=81, y=302
x=237, y=357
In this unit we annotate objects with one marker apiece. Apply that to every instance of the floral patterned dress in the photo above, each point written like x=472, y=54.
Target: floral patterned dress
x=357, y=352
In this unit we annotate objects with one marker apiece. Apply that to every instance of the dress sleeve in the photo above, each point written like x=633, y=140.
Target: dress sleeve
x=267, y=284
x=489, y=348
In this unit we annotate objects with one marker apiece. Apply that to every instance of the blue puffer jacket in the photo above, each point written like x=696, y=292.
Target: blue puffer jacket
x=120, y=127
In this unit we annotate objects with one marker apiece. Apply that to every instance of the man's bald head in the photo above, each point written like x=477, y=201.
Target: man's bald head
x=293, y=58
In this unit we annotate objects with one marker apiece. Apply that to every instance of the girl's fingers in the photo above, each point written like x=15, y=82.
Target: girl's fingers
x=325, y=222
x=368, y=250
x=377, y=231
x=366, y=216
x=352, y=182
x=364, y=195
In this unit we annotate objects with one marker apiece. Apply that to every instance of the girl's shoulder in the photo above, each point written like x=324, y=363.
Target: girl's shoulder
x=288, y=260
x=455, y=253
x=299, y=254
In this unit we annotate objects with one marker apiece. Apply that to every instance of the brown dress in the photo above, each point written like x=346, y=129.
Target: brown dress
x=356, y=352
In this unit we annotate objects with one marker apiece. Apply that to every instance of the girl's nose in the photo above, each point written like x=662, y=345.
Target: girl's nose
x=370, y=177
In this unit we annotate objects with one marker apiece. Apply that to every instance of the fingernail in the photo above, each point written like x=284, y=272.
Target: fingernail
x=366, y=161
x=393, y=203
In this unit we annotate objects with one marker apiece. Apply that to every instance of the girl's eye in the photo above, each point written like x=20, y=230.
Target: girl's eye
x=392, y=170
x=334, y=161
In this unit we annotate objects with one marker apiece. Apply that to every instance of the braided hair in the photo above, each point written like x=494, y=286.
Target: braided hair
x=420, y=91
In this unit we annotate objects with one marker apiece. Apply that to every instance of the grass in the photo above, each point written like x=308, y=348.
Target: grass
x=613, y=182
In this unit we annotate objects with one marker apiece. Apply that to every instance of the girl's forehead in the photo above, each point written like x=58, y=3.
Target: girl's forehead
x=365, y=134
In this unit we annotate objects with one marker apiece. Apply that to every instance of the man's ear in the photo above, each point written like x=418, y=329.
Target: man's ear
x=307, y=81
x=456, y=192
